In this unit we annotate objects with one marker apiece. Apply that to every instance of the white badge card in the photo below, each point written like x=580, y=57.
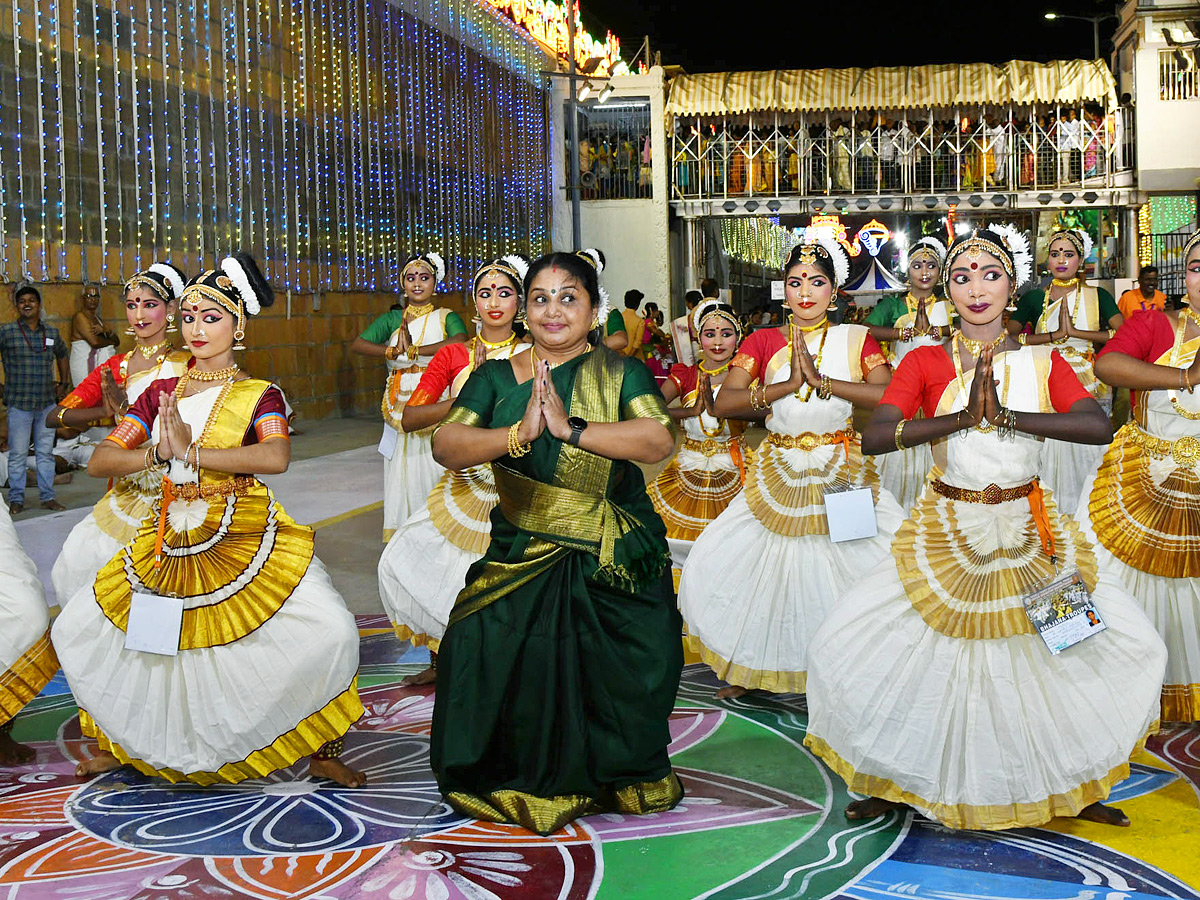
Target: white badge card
x=1062, y=612
x=49, y=342
x=850, y=513
x=155, y=624
x=387, y=443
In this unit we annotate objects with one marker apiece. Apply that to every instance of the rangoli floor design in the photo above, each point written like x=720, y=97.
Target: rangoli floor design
x=762, y=820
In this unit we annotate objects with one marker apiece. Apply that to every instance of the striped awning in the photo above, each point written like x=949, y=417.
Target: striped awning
x=1068, y=81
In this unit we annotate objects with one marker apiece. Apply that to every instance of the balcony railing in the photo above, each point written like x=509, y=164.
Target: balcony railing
x=817, y=155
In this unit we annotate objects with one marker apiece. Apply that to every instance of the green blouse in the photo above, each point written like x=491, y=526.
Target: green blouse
x=1032, y=303
x=380, y=331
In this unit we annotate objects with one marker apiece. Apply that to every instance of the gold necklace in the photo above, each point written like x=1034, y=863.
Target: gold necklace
x=219, y=375
x=533, y=359
x=1070, y=282
x=976, y=347
x=823, y=322
x=1185, y=315
x=412, y=312
x=710, y=372
x=962, y=382
x=489, y=345
x=150, y=352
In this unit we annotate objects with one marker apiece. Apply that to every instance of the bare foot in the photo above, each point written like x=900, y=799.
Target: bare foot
x=14, y=754
x=871, y=808
x=99, y=764
x=732, y=692
x=429, y=676
x=1105, y=815
x=336, y=770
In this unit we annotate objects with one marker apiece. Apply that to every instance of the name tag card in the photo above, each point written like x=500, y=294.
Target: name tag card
x=387, y=443
x=155, y=624
x=49, y=342
x=850, y=513
x=1063, y=613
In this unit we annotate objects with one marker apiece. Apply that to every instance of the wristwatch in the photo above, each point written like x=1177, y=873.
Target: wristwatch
x=577, y=425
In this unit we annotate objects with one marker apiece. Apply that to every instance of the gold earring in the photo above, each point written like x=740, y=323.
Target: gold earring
x=171, y=329
x=238, y=337
x=1012, y=303
x=130, y=330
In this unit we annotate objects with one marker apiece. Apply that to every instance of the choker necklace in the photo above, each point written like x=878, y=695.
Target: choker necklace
x=820, y=323
x=717, y=371
x=1189, y=314
x=496, y=345
x=225, y=374
x=151, y=352
x=977, y=347
x=1070, y=282
x=413, y=312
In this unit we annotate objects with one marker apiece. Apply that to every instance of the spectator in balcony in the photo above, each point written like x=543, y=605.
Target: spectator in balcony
x=842, y=138
x=998, y=138
x=905, y=142
x=864, y=160
x=887, y=154
x=1145, y=296
x=1071, y=144
x=818, y=158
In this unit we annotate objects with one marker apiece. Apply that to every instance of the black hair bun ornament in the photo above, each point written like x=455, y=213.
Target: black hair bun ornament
x=253, y=288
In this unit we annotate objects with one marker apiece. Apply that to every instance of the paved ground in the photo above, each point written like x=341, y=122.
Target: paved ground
x=762, y=818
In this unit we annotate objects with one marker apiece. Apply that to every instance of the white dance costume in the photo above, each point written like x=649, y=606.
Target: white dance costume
x=761, y=578
x=929, y=685
x=27, y=661
x=1142, y=509
x=424, y=565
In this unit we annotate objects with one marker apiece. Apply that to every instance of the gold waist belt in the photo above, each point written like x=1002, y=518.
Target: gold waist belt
x=1185, y=450
x=239, y=485
x=810, y=440
x=708, y=447
x=991, y=494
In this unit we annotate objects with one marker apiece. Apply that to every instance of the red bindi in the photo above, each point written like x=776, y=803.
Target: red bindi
x=974, y=265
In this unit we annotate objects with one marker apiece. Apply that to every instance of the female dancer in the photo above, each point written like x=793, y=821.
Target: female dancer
x=407, y=339
x=27, y=661
x=929, y=685
x=151, y=302
x=1092, y=318
x=710, y=468
x=762, y=576
x=425, y=563
x=560, y=664
x=1143, y=508
x=92, y=342
x=918, y=319
x=265, y=671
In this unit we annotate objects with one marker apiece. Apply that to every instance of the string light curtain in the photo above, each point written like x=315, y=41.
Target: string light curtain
x=327, y=137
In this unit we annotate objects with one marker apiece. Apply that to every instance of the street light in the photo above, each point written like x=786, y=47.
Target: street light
x=1095, y=20
x=605, y=92
x=586, y=90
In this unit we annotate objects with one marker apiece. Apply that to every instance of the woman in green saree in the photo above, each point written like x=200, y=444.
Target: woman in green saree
x=559, y=668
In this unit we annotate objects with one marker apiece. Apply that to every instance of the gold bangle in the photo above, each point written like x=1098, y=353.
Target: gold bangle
x=825, y=391
x=62, y=411
x=1112, y=333
x=1023, y=339
x=515, y=448
x=900, y=434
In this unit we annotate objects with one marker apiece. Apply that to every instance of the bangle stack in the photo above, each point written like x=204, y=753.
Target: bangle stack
x=1112, y=333
x=825, y=389
x=758, y=401
x=191, y=458
x=1005, y=425
x=152, y=459
x=515, y=448
x=900, y=434
x=1023, y=339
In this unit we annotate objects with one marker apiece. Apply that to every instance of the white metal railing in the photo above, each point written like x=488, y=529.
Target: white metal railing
x=899, y=152
x=1177, y=75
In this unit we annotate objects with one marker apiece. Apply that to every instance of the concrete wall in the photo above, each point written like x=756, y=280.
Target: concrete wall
x=306, y=352
x=1168, y=131
x=632, y=233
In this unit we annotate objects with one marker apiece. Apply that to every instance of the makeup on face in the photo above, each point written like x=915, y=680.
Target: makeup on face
x=808, y=292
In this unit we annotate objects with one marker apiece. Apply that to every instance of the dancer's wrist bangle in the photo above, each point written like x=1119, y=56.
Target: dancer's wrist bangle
x=900, y=434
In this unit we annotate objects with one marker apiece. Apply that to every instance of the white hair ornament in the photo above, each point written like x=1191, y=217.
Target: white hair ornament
x=839, y=258
x=233, y=269
x=170, y=276
x=1018, y=245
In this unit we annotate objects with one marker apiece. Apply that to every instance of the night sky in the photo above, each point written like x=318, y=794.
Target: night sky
x=765, y=34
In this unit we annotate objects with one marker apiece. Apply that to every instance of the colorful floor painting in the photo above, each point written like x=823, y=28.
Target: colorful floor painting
x=761, y=819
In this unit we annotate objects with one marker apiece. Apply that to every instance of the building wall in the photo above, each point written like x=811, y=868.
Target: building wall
x=632, y=233
x=1168, y=148
x=307, y=352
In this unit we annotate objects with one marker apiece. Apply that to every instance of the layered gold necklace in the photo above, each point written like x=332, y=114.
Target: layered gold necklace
x=149, y=353
x=977, y=347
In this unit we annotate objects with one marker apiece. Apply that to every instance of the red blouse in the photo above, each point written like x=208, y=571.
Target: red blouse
x=685, y=378
x=924, y=373
x=1146, y=335
x=758, y=349
x=89, y=393
x=269, y=421
x=440, y=373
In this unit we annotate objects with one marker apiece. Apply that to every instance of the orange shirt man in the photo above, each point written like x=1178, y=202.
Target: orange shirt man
x=1145, y=296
